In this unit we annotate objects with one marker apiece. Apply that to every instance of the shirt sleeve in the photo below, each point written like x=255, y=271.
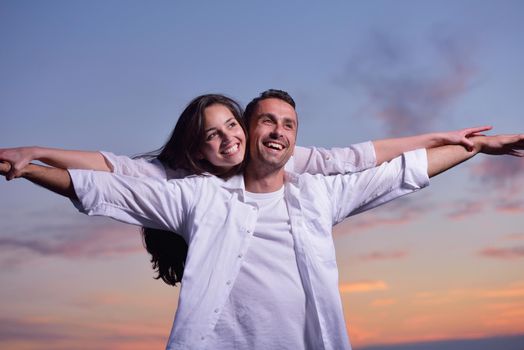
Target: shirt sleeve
x=139, y=167
x=355, y=193
x=146, y=202
x=333, y=161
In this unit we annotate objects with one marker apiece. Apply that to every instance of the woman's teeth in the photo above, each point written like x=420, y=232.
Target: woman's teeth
x=231, y=149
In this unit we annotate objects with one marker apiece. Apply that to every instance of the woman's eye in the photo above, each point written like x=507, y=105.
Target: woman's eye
x=233, y=124
x=211, y=136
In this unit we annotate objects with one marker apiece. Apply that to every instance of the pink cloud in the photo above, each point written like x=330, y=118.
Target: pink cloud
x=511, y=206
x=383, y=302
x=72, y=241
x=403, y=91
x=362, y=287
x=515, y=237
x=63, y=334
x=501, y=172
x=510, y=253
x=401, y=211
x=464, y=209
x=377, y=256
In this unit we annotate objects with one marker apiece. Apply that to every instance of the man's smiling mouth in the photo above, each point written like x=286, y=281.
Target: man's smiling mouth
x=274, y=145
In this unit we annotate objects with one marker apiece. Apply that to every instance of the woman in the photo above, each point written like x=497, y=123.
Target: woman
x=210, y=137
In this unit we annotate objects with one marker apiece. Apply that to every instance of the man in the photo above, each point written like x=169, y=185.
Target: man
x=261, y=270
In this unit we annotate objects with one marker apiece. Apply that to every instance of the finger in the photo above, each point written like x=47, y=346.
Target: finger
x=469, y=131
x=476, y=134
x=467, y=143
x=10, y=174
x=515, y=153
x=6, y=168
x=14, y=173
x=520, y=144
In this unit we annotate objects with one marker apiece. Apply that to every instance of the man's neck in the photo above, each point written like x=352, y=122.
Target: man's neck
x=259, y=181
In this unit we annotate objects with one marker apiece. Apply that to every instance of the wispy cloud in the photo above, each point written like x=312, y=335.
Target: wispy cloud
x=510, y=206
x=25, y=329
x=59, y=334
x=465, y=208
x=409, y=89
x=362, y=287
x=508, y=253
x=400, y=212
x=499, y=170
x=501, y=176
x=514, y=290
x=514, y=237
x=383, y=255
x=508, y=342
x=383, y=302
x=69, y=240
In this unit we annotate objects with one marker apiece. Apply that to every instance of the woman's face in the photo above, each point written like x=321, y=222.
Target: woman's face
x=224, y=139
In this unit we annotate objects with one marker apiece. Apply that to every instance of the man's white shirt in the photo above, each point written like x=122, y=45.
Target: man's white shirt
x=218, y=222
x=266, y=308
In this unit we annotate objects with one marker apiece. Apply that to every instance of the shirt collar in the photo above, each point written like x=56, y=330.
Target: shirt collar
x=236, y=183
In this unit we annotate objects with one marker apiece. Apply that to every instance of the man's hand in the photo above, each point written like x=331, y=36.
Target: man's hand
x=501, y=144
x=18, y=158
x=443, y=158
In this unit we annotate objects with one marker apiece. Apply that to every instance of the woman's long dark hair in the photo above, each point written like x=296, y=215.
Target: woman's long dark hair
x=169, y=250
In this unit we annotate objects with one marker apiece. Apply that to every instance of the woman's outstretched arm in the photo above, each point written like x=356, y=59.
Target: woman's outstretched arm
x=366, y=155
x=53, y=179
x=388, y=149
x=60, y=158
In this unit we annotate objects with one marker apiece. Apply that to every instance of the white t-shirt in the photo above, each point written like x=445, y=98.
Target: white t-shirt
x=267, y=305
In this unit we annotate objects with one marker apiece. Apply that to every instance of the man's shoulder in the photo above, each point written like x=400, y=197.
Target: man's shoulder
x=208, y=180
x=296, y=178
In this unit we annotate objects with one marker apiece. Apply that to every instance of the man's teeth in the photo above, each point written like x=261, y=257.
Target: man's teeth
x=275, y=145
x=231, y=149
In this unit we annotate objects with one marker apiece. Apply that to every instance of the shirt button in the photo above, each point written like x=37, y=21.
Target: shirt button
x=202, y=338
x=216, y=311
x=228, y=283
x=254, y=209
x=240, y=256
x=248, y=231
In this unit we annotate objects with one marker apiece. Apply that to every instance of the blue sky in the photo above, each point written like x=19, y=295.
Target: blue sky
x=114, y=75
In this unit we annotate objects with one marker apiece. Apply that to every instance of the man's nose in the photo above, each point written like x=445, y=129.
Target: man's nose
x=276, y=132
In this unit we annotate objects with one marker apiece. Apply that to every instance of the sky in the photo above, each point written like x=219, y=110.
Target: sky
x=439, y=269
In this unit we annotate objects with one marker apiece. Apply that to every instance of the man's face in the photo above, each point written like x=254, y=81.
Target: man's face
x=272, y=133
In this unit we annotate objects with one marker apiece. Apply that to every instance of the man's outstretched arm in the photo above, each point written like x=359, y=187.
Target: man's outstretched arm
x=53, y=179
x=443, y=158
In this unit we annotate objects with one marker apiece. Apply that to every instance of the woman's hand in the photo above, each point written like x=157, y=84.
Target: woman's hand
x=462, y=137
x=4, y=168
x=18, y=158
